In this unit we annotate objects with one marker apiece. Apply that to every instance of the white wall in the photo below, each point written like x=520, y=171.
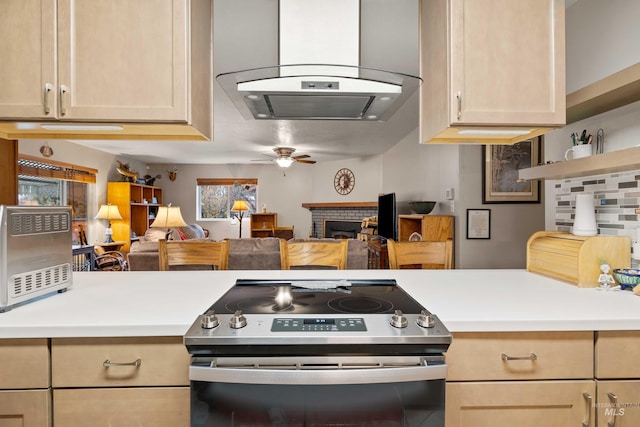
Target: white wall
x=602, y=38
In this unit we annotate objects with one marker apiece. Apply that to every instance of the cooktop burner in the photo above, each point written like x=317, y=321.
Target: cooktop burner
x=316, y=297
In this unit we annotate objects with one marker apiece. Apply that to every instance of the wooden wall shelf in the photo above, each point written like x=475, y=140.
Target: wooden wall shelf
x=609, y=93
x=613, y=161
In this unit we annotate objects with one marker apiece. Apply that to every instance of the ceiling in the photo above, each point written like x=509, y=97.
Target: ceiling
x=245, y=40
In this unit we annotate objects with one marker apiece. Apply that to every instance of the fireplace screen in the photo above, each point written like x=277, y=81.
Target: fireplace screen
x=341, y=229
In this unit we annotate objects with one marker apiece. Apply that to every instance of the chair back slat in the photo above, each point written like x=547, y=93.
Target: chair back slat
x=314, y=254
x=421, y=254
x=205, y=253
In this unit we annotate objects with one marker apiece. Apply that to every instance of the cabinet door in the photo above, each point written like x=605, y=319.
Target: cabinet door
x=121, y=407
x=618, y=404
x=27, y=49
x=25, y=408
x=507, y=62
x=525, y=404
x=123, y=60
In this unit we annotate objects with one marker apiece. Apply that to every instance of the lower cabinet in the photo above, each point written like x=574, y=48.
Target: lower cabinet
x=122, y=407
x=617, y=371
x=25, y=394
x=132, y=381
x=525, y=379
x=520, y=403
x=25, y=408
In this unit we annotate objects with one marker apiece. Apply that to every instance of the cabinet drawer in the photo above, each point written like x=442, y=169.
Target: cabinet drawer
x=24, y=363
x=142, y=407
x=617, y=354
x=558, y=355
x=25, y=408
x=520, y=403
x=618, y=399
x=80, y=362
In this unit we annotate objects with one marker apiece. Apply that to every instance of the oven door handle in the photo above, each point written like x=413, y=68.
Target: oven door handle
x=257, y=375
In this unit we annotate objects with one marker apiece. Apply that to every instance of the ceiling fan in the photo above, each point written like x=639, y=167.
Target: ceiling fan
x=284, y=157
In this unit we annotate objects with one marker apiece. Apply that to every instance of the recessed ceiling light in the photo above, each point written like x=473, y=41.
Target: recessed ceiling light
x=372, y=117
x=385, y=98
x=493, y=132
x=81, y=127
x=262, y=115
x=253, y=97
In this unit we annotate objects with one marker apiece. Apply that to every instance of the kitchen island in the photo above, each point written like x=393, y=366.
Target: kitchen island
x=525, y=347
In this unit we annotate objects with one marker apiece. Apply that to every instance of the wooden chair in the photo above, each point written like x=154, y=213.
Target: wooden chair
x=421, y=254
x=109, y=260
x=200, y=253
x=311, y=254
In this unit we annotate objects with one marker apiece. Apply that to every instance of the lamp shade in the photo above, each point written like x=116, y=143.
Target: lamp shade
x=240, y=205
x=108, y=212
x=168, y=216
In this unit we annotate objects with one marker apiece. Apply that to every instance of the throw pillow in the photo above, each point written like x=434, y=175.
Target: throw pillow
x=181, y=234
x=154, y=234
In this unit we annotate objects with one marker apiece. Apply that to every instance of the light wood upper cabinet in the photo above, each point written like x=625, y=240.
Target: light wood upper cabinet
x=106, y=61
x=493, y=65
x=27, y=47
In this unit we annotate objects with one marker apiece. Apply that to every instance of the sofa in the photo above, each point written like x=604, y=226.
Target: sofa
x=143, y=254
x=259, y=253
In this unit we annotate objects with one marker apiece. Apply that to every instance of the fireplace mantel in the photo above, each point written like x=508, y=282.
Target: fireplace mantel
x=333, y=205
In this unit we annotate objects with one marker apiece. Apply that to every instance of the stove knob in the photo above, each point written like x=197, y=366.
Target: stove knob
x=425, y=320
x=398, y=320
x=237, y=321
x=209, y=320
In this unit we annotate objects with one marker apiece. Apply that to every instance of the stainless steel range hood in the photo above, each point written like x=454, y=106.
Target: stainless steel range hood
x=319, y=76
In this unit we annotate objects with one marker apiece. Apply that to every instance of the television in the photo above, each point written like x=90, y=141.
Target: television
x=387, y=216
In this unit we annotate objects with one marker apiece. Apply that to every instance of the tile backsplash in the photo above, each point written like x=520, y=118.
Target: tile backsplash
x=616, y=198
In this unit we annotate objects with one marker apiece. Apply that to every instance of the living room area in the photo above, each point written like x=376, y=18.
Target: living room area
x=411, y=170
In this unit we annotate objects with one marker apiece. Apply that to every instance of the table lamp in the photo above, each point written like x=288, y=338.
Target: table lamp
x=108, y=212
x=239, y=206
x=167, y=217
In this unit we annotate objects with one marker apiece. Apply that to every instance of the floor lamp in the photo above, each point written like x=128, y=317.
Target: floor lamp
x=239, y=206
x=108, y=212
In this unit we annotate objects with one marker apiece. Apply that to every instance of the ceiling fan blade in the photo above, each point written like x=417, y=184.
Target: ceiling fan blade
x=311, y=162
x=301, y=156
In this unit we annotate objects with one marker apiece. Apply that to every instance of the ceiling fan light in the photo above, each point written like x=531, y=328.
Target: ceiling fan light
x=284, y=162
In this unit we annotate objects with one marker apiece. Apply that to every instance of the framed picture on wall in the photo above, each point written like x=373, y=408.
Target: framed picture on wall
x=478, y=223
x=500, y=165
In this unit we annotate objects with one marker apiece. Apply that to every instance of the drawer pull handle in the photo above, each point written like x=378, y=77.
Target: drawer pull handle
x=614, y=402
x=108, y=363
x=532, y=356
x=589, y=399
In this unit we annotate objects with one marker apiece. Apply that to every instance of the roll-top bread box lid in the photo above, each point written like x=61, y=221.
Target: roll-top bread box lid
x=576, y=259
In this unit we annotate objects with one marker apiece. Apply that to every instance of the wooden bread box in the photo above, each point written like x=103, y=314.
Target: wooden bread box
x=576, y=259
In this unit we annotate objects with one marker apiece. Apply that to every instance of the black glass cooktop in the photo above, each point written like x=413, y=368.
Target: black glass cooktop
x=316, y=297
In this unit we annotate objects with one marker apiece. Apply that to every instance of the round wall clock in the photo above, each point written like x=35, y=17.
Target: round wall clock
x=344, y=181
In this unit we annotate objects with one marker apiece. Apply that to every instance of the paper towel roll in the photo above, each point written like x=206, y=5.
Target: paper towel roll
x=584, y=223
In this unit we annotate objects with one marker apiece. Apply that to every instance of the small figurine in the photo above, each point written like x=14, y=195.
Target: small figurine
x=605, y=279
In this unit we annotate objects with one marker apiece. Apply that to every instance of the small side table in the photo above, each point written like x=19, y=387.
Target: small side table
x=378, y=254
x=108, y=247
x=83, y=258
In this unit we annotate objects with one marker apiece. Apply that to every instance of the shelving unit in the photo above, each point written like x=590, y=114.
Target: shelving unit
x=430, y=227
x=613, y=161
x=137, y=215
x=263, y=224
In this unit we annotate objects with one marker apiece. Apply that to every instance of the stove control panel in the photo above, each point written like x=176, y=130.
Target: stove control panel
x=351, y=324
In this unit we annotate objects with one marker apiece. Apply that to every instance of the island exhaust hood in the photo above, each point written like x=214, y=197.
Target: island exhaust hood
x=319, y=76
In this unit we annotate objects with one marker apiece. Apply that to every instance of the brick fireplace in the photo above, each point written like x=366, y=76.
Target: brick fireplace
x=342, y=218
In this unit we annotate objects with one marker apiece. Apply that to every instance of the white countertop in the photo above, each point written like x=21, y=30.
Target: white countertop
x=166, y=303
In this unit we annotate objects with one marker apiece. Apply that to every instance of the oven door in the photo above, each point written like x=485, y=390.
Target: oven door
x=318, y=391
